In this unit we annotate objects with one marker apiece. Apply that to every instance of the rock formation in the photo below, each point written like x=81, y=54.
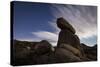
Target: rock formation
x=67, y=34
x=68, y=42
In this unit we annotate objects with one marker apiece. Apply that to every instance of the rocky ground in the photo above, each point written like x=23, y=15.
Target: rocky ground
x=68, y=49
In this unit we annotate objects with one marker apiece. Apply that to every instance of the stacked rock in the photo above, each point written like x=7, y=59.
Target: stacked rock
x=67, y=34
x=68, y=45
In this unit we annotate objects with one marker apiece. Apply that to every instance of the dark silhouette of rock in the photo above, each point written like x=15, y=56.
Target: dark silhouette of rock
x=68, y=46
x=21, y=52
x=64, y=53
x=43, y=47
x=69, y=42
x=90, y=52
x=63, y=24
x=67, y=34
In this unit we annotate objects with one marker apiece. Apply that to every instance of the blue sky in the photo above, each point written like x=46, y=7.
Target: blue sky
x=37, y=21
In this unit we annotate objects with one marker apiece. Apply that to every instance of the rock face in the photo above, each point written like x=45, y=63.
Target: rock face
x=68, y=41
x=64, y=55
x=67, y=34
x=70, y=48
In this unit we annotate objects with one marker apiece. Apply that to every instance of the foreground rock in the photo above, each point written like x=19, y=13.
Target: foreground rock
x=63, y=54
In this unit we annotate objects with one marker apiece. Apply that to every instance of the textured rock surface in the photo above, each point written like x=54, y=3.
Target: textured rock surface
x=67, y=34
x=72, y=49
x=64, y=55
x=67, y=37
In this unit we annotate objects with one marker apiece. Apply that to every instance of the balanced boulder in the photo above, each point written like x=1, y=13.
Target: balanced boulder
x=68, y=45
x=63, y=24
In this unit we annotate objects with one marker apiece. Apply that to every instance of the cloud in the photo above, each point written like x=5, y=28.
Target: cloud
x=82, y=18
x=46, y=35
x=29, y=39
x=42, y=35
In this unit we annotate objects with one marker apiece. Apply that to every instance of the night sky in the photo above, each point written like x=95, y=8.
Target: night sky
x=37, y=21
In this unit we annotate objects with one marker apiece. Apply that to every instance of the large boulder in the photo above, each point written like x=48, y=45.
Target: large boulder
x=63, y=24
x=63, y=55
x=72, y=49
x=43, y=47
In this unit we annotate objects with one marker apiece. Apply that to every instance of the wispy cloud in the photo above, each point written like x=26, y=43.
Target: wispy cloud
x=46, y=35
x=83, y=18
